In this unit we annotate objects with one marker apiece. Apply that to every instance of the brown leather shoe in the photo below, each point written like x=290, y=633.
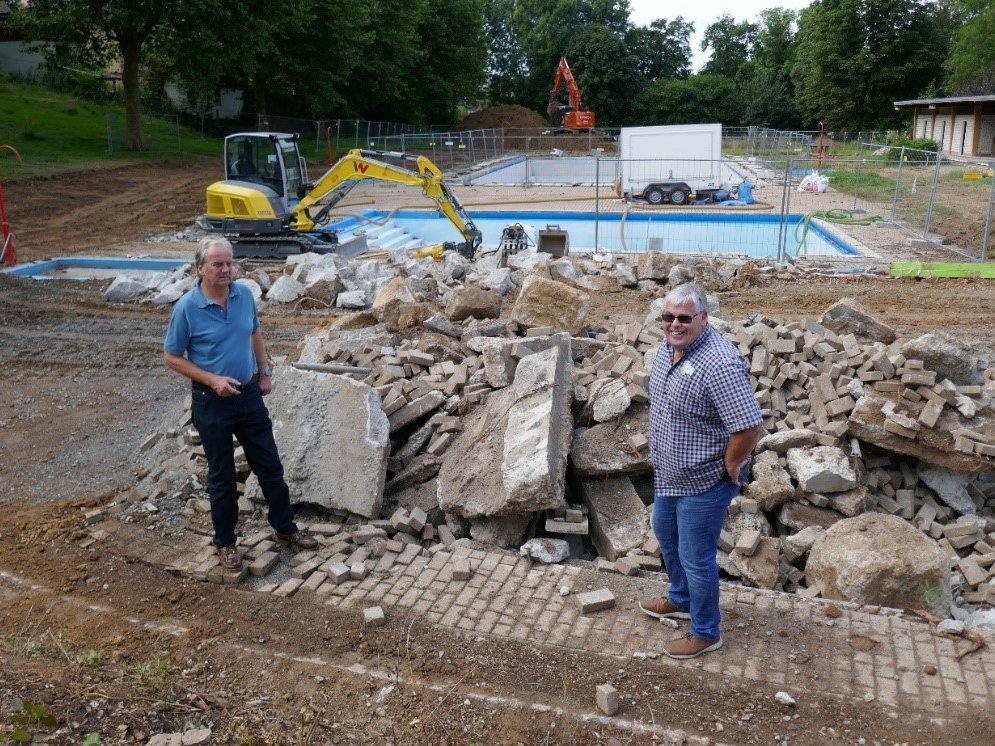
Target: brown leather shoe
x=661, y=608
x=229, y=557
x=690, y=646
x=299, y=540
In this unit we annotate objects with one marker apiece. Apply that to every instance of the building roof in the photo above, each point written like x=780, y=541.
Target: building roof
x=951, y=100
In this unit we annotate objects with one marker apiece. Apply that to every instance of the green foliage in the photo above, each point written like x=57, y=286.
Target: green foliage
x=92, y=739
x=970, y=66
x=27, y=718
x=919, y=143
x=663, y=49
x=701, y=98
x=151, y=673
x=54, y=131
x=855, y=58
x=731, y=44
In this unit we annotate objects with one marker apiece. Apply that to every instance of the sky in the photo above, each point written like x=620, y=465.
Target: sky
x=644, y=12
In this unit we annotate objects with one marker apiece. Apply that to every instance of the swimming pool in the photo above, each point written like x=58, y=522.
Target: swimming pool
x=752, y=235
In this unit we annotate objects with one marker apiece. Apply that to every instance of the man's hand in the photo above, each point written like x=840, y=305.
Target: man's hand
x=226, y=386
x=265, y=384
x=734, y=467
x=738, y=451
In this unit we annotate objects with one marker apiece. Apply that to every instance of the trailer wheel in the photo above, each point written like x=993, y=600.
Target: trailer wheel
x=654, y=195
x=679, y=197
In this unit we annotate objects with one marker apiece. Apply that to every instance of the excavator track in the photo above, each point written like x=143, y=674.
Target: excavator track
x=280, y=247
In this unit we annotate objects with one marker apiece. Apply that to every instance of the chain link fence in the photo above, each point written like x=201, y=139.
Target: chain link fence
x=928, y=196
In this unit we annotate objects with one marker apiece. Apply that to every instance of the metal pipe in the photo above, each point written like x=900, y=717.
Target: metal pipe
x=988, y=224
x=331, y=368
x=932, y=196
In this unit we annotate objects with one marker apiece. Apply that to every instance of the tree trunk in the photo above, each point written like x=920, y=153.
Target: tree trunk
x=259, y=94
x=131, y=49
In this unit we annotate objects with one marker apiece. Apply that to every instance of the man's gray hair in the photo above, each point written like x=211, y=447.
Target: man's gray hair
x=207, y=243
x=687, y=292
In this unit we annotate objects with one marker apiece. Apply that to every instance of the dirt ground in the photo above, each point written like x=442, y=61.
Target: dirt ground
x=105, y=644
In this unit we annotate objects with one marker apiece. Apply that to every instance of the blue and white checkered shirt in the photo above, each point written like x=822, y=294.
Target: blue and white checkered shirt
x=695, y=406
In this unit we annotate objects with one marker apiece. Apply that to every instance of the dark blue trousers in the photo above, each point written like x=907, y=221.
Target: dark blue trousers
x=217, y=419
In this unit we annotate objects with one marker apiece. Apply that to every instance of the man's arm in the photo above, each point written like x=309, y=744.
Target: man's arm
x=738, y=451
x=259, y=349
x=221, y=385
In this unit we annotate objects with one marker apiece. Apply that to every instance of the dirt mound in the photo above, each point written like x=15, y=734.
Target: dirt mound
x=508, y=115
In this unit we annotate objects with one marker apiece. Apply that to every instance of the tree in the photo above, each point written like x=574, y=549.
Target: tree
x=507, y=67
x=546, y=29
x=700, y=98
x=662, y=50
x=855, y=58
x=971, y=64
x=93, y=32
x=606, y=69
x=731, y=44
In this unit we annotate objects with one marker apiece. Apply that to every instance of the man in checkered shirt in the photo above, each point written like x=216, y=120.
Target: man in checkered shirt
x=704, y=424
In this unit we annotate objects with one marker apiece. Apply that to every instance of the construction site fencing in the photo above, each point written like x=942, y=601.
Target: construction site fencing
x=918, y=196
x=161, y=133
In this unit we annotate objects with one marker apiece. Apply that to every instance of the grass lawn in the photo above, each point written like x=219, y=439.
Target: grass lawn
x=56, y=132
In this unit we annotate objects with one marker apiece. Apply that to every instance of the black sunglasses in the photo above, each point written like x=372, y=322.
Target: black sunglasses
x=669, y=318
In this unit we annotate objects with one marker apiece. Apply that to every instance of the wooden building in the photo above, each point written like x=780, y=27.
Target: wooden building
x=963, y=125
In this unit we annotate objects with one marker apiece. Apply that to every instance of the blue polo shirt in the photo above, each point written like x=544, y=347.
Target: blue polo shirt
x=211, y=338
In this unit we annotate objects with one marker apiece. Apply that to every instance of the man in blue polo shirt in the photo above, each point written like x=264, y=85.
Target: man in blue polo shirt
x=704, y=424
x=214, y=339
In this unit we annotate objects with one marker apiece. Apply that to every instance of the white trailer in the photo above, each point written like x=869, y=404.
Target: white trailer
x=670, y=163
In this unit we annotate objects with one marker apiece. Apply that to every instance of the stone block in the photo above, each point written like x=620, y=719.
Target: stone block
x=606, y=697
x=373, y=616
x=598, y=600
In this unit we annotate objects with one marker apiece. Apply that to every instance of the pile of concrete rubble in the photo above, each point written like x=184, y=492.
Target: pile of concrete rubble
x=526, y=428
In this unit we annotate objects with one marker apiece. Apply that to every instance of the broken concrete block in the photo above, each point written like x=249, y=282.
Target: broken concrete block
x=821, y=469
x=618, y=520
x=306, y=407
x=543, y=302
x=526, y=429
x=545, y=550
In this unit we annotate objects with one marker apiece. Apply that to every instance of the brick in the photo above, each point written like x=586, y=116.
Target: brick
x=972, y=572
x=748, y=542
x=289, y=588
x=461, y=569
x=598, y=600
x=606, y=697
x=373, y=616
x=336, y=572
x=263, y=564
x=358, y=571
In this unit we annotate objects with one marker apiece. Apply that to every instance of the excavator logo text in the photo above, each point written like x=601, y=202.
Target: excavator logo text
x=361, y=167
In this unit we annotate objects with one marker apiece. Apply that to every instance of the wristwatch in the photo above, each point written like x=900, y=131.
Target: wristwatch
x=267, y=371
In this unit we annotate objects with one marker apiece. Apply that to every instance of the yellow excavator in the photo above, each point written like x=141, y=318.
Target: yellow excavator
x=267, y=208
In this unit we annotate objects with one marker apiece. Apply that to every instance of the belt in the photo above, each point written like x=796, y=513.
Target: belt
x=252, y=382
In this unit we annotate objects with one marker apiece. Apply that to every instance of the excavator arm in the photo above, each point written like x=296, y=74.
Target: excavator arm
x=359, y=165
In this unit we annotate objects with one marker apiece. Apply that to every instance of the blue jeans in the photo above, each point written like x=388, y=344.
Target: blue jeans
x=688, y=531
x=217, y=418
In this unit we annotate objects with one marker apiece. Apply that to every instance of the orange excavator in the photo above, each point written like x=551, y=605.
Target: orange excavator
x=570, y=116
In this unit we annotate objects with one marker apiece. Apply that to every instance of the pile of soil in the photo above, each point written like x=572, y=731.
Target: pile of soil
x=508, y=116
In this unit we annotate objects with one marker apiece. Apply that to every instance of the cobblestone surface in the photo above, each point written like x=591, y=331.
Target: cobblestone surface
x=801, y=644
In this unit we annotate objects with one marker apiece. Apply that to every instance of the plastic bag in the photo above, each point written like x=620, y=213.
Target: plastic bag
x=814, y=183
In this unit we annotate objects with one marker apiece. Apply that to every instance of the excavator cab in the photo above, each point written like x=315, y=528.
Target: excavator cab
x=266, y=158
